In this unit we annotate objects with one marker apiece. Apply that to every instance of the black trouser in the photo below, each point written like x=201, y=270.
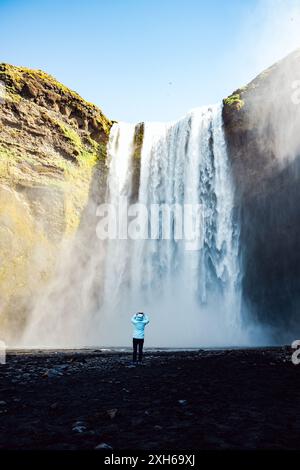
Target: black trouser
x=137, y=343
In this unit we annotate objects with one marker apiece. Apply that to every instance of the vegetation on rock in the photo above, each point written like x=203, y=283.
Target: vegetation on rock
x=51, y=143
x=234, y=101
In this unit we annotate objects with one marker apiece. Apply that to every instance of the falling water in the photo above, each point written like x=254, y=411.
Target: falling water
x=191, y=295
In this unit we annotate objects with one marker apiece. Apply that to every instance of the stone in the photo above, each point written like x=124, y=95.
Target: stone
x=112, y=413
x=157, y=427
x=103, y=446
x=52, y=373
x=79, y=429
x=29, y=90
x=182, y=402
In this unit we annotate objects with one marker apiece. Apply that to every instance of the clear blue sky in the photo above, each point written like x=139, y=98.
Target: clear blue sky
x=149, y=59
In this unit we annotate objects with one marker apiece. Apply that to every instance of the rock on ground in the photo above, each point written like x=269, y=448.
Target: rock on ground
x=222, y=399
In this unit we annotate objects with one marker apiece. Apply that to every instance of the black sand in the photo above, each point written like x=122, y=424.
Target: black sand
x=222, y=399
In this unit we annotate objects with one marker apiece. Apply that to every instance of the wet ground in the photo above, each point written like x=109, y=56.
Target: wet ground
x=221, y=399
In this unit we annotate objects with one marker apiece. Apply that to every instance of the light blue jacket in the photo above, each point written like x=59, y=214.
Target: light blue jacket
x=139, y=322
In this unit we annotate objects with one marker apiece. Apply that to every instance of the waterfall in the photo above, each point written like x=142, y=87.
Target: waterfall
x=192, y=295
x=188, y=281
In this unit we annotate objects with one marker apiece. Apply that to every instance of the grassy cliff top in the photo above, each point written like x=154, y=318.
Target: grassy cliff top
x=45, y=90
x=284, y=68
x=273, y=85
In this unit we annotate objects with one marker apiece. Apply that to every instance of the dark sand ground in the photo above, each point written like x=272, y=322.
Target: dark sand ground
x=221, y=399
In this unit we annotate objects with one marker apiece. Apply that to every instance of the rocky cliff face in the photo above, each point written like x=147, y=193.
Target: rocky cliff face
x=52, y=147
x=262, y=123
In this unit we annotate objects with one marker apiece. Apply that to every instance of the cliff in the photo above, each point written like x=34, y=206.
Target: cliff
x=262, y=124
x=52, y=146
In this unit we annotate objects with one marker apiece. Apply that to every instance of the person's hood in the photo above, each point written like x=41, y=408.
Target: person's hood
x=139, y=317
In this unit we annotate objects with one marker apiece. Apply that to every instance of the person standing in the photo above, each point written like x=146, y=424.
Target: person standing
x=139, y=321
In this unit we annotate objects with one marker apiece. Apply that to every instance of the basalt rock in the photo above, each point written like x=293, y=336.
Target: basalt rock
x=262, y=125
x=52, y=147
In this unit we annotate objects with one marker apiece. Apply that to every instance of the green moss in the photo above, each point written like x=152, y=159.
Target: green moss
x=87, y=154
x=87, y=159
x=92, y=144
x=70, y=134
x=234, y=101
x=102, y=152
x=104, y=123
x=16, y=77
x=69, y=171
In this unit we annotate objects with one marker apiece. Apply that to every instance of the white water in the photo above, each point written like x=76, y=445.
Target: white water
x=193, y=297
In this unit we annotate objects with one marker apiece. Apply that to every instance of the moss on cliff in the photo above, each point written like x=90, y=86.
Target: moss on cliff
x=234, y=101
x=34, y=83
x=50, y=136
x=70, y=134
x=52, y=142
